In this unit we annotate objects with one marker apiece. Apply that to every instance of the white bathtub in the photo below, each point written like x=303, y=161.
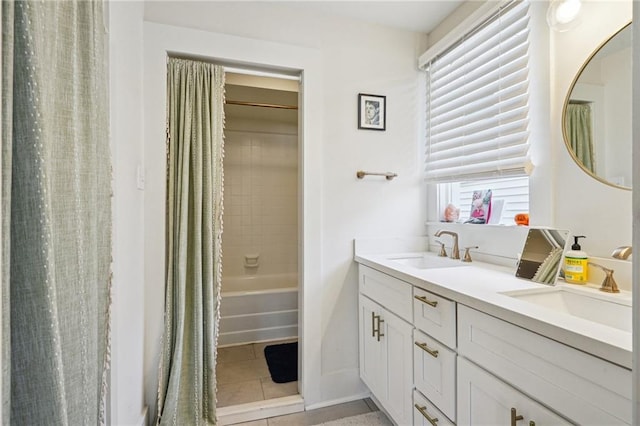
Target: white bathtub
x=258, y=308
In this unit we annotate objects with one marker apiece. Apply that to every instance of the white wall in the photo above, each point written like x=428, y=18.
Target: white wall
x=585, y=205
x=617, y=80
x=127, y=325
x=350, y=57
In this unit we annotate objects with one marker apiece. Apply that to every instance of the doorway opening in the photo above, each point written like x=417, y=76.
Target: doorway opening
x=260, y=282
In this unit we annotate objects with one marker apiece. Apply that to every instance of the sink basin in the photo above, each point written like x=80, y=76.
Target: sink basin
x=587, y=303
x=428, y=262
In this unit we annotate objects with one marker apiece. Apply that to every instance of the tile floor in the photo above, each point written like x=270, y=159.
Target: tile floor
x=243, y=375
x=319, y=416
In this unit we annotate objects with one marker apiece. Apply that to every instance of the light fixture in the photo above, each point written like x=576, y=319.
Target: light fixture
x=564, y=15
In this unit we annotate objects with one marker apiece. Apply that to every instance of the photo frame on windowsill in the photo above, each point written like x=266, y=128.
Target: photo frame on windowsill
x=372, y=112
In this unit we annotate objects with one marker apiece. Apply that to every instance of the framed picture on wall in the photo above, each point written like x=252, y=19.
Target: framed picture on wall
x=372, y=112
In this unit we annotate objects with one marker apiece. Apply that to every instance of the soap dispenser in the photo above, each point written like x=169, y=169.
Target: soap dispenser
x=576, y=263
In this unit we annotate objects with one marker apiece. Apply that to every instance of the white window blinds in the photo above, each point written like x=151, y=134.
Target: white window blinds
x=477, y=101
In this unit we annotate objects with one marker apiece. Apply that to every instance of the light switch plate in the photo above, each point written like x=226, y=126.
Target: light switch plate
x=140, y=172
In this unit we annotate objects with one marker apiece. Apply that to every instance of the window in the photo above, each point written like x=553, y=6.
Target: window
x=511, y=192
x=478, y=113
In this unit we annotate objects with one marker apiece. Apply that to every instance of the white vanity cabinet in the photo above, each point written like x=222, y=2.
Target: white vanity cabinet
x=434, y=356
x=426, y=357
x=584, y=389
x=386, y=342
x=407, y=339
x=485, y=400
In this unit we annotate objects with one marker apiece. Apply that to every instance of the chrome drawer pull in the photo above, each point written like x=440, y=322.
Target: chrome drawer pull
x=424, y=347
x=423, y=411
x=423, y=299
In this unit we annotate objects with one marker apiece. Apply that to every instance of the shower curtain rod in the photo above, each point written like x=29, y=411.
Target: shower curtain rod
x=262, y=105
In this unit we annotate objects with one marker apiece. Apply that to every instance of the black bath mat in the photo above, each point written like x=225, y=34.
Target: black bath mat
x=282, y=361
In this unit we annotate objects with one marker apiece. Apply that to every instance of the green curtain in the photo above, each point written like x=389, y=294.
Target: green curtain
x=56, y=209
x=195, y=122
x=580, y=133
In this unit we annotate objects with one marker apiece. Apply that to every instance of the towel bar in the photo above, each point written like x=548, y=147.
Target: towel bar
x=388, y=175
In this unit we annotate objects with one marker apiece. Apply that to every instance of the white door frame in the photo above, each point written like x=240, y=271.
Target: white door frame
x=161, y=40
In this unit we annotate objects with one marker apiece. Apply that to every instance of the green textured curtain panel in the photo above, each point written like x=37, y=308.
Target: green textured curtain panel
x=56, y=210
x=580, y=133
x=187, y=382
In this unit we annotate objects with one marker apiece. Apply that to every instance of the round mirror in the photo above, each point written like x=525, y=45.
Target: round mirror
x=596, y=120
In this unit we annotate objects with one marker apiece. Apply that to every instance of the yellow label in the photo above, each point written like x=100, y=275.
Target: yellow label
x=575, y=270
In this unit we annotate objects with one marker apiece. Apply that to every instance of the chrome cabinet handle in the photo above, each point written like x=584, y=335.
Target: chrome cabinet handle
x=379, y=328
x=515, y=417
x=423, y=411
x=424, y=347
x=423, y=299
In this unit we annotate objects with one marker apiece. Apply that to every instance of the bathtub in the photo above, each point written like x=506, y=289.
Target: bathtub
x=258, y=308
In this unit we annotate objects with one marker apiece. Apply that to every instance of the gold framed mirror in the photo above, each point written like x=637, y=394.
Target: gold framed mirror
x=596, y=117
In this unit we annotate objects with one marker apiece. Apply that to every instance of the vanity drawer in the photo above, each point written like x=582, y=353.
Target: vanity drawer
x=390, y=292
x=426, y=414
x=434, y=372
x=435, y=315
x=585, y=389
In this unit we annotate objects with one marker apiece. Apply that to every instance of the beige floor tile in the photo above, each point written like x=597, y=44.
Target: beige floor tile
x=239, y=393
x=278, y=390
x=258, y=348
x=321, y=415
x=295, y=419
x=262, y=422
x=236, y=353
x=242, y=371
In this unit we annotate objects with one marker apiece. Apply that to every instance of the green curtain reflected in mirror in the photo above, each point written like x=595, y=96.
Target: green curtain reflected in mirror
x=580, y=132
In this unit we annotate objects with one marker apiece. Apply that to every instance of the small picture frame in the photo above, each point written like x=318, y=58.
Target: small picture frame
x=372, y=112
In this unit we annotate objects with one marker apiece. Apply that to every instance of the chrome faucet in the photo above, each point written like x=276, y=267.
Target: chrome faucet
x=622, y=252
x=455, y=251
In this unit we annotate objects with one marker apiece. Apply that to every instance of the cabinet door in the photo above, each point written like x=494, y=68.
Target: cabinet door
x=426, y=414
x=434, y=372
x=398, y=343
x=390, y=292
x=485, y=400
x=435, y=315
x=372, y=354
x=585, y=389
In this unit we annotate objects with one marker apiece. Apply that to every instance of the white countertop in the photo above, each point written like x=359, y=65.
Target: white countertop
x=479, y=286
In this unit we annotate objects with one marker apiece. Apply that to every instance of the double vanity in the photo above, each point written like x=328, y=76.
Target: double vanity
x=446, y=342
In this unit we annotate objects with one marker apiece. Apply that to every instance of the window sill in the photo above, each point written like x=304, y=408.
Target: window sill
x=473, y=225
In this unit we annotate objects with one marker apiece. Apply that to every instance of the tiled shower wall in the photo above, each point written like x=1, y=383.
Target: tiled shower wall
x=260, y=197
